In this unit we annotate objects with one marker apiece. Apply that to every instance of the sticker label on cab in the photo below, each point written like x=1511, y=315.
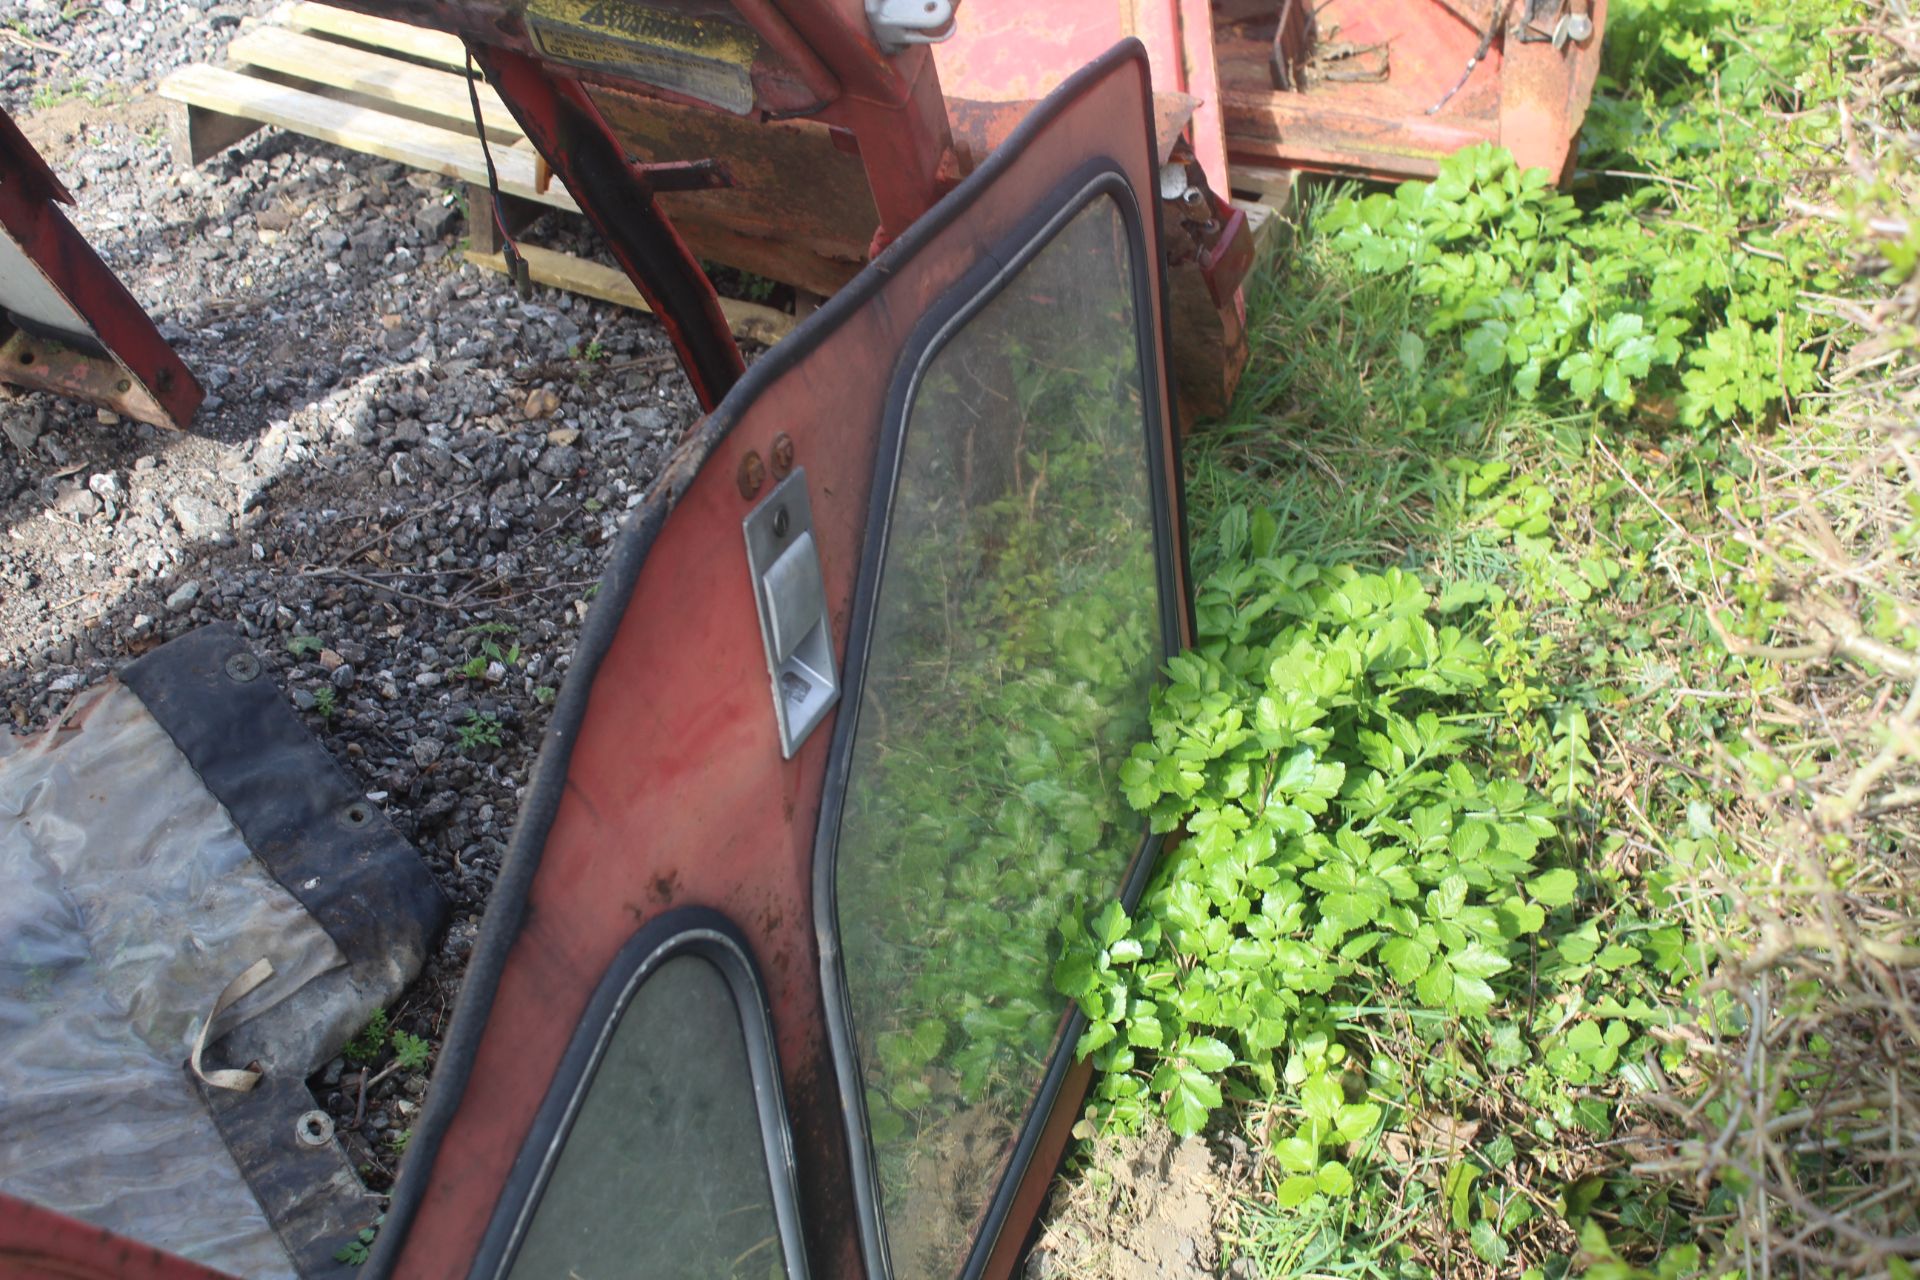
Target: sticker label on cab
x=703, y=58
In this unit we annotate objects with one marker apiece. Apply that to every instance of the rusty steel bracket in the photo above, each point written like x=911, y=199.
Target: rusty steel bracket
x=1554, y=22
x=684, y=175
x=46, y=364
x=1209, y=247
x=67, y=324
x=1293, y=40
x=617, y=197
x=1225, y=263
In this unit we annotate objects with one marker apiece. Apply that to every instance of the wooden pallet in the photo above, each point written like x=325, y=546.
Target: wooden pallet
x=398, y=92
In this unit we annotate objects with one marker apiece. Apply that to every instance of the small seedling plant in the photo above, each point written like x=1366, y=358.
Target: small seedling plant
x=478, y=729
x=484, y=649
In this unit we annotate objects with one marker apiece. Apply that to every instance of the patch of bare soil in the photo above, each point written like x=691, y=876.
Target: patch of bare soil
x=58, y=130
x=1146, y=1208
x=946, y=1189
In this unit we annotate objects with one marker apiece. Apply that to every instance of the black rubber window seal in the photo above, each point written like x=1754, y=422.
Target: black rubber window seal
x=1100, y=177
x=688, y=931
x=506, y=909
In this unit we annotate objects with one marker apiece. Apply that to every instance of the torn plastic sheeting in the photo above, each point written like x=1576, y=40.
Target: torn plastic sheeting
x=183, y=829
x=130, y=901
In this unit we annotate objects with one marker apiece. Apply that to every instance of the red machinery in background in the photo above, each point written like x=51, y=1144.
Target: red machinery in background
x=764, y=987
x=794, y=140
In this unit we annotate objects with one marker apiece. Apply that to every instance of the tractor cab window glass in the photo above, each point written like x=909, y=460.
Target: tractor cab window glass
x=1013, y=644
x=662, y=1172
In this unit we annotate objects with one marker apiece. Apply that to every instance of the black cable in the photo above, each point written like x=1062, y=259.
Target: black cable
x=1494, y=20
x=516, y=263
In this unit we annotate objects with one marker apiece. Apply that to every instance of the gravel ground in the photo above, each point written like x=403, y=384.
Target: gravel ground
x=402, y=486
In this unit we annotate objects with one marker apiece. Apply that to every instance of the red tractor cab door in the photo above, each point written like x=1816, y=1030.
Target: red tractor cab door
x=764, y=989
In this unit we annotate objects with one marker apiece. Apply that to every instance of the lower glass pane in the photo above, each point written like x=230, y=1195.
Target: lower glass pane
x=663, y=1172
x=1012, y=650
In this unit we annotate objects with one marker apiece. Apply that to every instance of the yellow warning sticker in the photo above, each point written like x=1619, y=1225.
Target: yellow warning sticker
x=703, y=58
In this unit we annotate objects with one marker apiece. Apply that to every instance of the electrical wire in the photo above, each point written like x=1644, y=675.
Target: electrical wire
x=1494, y=22
x=516, y=262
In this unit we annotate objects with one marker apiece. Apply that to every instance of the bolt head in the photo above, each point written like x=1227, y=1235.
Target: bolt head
x=752, y=476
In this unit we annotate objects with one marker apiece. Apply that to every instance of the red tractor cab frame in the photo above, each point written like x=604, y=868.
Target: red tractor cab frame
x=693, y=801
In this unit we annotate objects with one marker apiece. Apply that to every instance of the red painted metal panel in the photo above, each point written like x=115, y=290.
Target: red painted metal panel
x=1013, y=51
x=118, y=359
x=1544, y=97
x=666, y=777
x=1529, y=96
x=39, y=1244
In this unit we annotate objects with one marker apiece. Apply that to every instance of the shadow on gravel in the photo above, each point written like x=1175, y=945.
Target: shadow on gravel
x=402, y=492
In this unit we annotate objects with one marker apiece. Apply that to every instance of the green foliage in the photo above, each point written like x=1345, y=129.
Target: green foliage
x=75, y=90
x=479, y=729
x=357, y=1250
x=410, y=1051
x=325, y=702
x=1540, y=293
x=484, y=649
x=302, y=646
x=1343, y=844
x=1504, y=411
x=1686, y=279
x=370, y=1042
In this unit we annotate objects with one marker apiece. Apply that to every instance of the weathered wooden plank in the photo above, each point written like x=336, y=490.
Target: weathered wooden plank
x=439, y=95
x=1274, y=186
x=437, y=150
x=436, y=47
x=748, y=320
x=198, y=134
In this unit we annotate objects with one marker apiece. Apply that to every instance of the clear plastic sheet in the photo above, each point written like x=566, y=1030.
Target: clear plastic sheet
x=128, y=900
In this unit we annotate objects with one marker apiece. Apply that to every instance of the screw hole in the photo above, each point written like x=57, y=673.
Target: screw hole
x=780, y=523
x=313, y=1129
x=357, y=815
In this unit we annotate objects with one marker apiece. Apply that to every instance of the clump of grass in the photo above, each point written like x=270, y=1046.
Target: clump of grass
x=1801, y=1116
x=1692, y=562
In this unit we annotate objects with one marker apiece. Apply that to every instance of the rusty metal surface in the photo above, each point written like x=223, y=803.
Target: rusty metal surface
x=1529, y=97
x=99, y=345
x=821, y=185
x=46, y=365
x=1014, y=51
x=1541, y=106
x=663, y=783
x=565, y=127
x=979, y=127
x=1209, y=346
x=38, y=1244
x=793, y=182
x=905, y=144
x=808, y=53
